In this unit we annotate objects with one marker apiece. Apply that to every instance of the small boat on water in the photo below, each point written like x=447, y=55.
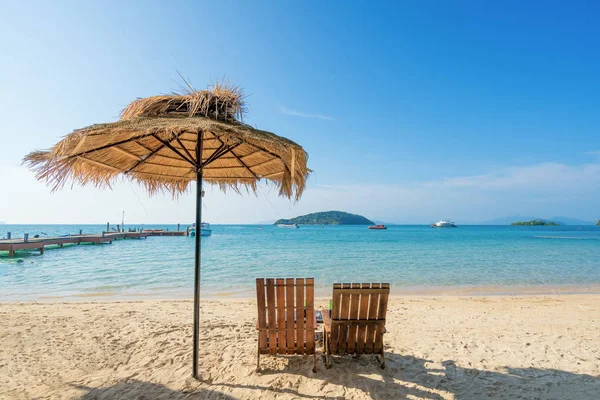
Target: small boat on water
x=291, y=226
x=204, y=229
x=377, y=227
x=444, y=223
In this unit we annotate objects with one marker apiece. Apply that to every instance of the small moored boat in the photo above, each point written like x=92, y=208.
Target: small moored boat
x=444, y=223
x=292, y=226
x=377, y=227
x=204, y=229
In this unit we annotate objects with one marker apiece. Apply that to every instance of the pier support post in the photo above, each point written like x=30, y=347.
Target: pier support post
x=11, y=252
x=42, y=249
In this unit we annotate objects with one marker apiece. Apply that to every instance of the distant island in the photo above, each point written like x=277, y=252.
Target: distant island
x=327, y=218
x=561, y=220
x=535, y=222
x=598, y=223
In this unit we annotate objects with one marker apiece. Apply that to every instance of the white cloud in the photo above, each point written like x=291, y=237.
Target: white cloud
x=287, y=111
x=593, y=153
x=541, y=189
x=546, y=176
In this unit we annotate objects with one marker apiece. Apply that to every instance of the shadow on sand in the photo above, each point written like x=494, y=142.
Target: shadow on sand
x=134, y=389
x=405, y=377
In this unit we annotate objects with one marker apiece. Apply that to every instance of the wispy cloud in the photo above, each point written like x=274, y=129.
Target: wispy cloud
x=545, y=177
x=593, y=153
x=538, y=189
x=338, y=187
x=287, y=111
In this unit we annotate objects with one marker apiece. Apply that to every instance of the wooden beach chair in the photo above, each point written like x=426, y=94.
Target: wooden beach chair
x=357, y=321
x=286, y=317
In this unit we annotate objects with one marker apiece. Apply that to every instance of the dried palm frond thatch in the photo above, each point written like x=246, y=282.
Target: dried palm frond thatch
x=223, y=102
x=155, y=143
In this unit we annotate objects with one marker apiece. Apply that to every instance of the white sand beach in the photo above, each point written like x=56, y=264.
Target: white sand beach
x=501, y=347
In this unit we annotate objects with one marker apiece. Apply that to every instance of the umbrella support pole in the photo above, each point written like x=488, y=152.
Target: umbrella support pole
x=198, y=253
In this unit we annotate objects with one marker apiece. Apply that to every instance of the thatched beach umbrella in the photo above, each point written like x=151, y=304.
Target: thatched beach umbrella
x=166, y=142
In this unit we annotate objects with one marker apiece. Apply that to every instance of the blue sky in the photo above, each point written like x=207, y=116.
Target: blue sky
x=410, y=112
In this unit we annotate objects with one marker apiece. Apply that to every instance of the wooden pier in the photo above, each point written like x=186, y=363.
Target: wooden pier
x=160, y=232
x=12, y=245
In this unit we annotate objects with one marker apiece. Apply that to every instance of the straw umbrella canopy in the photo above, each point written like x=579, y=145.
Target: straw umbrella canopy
x=166, y=142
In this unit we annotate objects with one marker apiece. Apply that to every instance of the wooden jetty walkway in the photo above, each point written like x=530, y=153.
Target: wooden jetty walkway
x=39, y=243
x=160, y=232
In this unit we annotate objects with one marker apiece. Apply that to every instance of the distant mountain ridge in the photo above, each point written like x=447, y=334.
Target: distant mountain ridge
x=572, y=221
x=327, y=218
x=516, y=218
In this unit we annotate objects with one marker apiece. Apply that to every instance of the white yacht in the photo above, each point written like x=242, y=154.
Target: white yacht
x=444, y=223
x=204, y=229
x=292, y=226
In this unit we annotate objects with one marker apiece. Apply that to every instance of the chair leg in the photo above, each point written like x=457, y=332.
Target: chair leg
x=328, y=352
x=382, y=360
x=257, y=358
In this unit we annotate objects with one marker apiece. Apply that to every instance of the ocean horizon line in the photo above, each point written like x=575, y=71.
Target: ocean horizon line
x=259, y=224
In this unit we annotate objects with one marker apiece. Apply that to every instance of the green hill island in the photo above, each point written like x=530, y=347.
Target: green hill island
x=535, y=223
x=598, y=223
x=327, y=218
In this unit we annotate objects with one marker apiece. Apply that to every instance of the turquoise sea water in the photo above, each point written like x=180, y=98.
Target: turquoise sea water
x=405, y=256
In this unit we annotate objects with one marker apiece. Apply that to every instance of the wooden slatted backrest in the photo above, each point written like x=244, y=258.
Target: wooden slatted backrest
x=280, y=301
x=358, y=317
